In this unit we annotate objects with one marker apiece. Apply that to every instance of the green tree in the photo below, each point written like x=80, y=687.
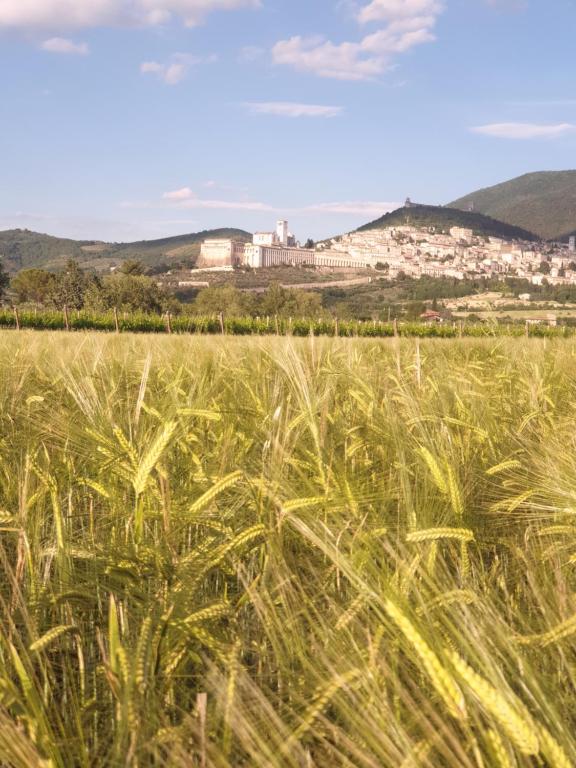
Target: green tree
x=4, y=279
x=129, y=293
x=544, y=268
x=225, y=299
x=303, y=304
x=310, y=243
x=69, y=287
x=132, y=267
x=33, y=285
x=274, y=299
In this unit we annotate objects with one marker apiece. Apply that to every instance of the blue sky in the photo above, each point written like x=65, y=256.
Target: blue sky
x=128, y=119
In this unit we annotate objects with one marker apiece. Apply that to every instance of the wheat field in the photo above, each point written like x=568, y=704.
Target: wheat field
x=287, y=553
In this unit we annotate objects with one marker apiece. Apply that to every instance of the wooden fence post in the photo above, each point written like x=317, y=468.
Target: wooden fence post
x=396, y=327
x=221, y=319
x=527, y=329
x=460, y=329
x=116, y=321
x=66, y=318
x=17, y=318
x=277, y=326
x=336, y=328
x=168, y=322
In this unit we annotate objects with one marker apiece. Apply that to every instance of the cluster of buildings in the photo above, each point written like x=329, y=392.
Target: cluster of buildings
x=410, y=250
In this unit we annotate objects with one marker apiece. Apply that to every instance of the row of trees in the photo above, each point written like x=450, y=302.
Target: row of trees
x=130, y=290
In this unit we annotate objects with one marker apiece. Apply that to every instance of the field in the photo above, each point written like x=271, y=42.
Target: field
x=287, y=553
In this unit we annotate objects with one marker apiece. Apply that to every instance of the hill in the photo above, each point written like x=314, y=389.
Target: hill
x=543, y=202
x=22, y=249
x=443, y=219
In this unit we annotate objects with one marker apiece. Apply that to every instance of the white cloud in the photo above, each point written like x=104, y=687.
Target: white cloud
x=175, y=70
x=394, y=10
x=185, y=198
x=63, y=45
x=525, y=130
x=290, y=109
x=360, y=208
x=228, y=205
x=408, y=23
x=179, y=194
x=60, y=14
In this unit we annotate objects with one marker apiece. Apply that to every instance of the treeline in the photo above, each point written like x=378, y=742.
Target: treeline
x=131, y=289
x=128, y=290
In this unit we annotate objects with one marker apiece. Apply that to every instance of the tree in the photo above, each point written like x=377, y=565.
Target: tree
x=302, y=304
x=414, y=309
x=131, y=267
x=129, y=293
x=33, y=285
x=273, y=299
x=69, y=287
x=4, y=279
x=310, y=243
x=544, y=268
x=226, y=299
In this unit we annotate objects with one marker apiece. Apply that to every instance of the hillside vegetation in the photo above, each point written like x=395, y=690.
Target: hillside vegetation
x=443, y=219
x=291, y=554
x=23, y=249
x=544, y=203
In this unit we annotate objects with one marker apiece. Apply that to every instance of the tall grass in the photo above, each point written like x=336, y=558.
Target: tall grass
x=287, y=553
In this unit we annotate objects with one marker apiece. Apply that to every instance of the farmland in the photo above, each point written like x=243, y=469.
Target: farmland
x=282, y=552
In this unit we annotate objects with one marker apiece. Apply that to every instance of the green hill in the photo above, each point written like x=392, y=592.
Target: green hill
x=22, y=249
x=443, y=219
x=543, y=202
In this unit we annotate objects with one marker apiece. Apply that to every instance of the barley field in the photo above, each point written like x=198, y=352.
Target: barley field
x=288, y=553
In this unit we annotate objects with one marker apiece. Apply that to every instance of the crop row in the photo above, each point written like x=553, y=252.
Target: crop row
x=262, y=326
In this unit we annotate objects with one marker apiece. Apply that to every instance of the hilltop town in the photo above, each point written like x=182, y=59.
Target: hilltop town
x=412, y=250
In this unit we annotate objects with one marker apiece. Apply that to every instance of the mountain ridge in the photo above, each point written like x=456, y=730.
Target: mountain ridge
x=543, y=202
x=24, y=249
x=444, y=217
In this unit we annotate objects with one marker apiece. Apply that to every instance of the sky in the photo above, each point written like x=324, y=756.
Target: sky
x=139, y=119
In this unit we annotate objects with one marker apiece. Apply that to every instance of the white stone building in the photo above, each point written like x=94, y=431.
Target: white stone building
x=221, y=253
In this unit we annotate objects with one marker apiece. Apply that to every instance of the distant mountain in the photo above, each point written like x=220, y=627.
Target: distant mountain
x=543, y=202
x=22, y=249
x=443, y=219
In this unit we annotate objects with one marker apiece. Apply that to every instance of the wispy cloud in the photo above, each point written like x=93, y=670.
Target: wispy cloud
x=359, y=208
x=186, y=198
x=407, y=24
x=69, y=14
x=291, y=109
x=65, y=46
x=176, y=69
x=179, y=194
x=525, y=130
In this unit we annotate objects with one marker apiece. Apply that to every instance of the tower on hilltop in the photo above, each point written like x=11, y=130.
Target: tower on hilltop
x=408, y=203
x=282, y=232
